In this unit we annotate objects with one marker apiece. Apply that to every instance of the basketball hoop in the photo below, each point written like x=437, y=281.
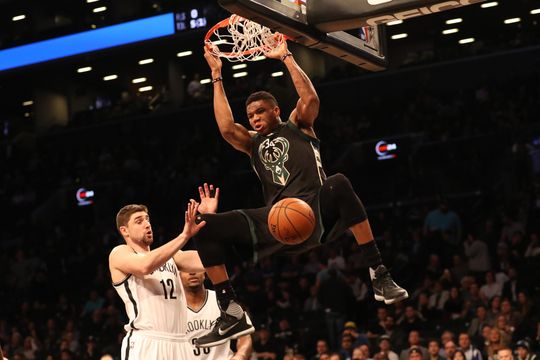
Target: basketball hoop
x=240, y=39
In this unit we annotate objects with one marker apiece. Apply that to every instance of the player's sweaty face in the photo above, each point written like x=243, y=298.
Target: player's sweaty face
x=262, y=115
x=139, y=227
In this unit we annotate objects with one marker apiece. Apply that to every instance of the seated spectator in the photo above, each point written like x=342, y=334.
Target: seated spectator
x=523, y=351
x=533, y=249
x=505, y=329
x=358, y=338
x=438, y=298
x=321, y=348
x=386, y=347
x=449, y=349
x=494, y=309
x=491, y=288
x=454, y=307
x=434, y=351
x=504, y=354
x=414, y=342
x=358, y=354
x=346, y=347
x=265, y=347
x=477, y=254
x=415, y=354
x=495, y=343
x=411, y=320
x=513, y=318
x=477, y=323
x=471, y=352
x=458, y=355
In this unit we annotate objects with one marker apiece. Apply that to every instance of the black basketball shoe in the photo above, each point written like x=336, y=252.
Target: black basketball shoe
x=385, y=289
x=227, y=327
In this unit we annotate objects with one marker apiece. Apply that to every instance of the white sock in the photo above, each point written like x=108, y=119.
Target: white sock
x=372, y=273
x=234, y=310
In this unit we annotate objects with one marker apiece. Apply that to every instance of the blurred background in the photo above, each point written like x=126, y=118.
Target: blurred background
x=84, y=135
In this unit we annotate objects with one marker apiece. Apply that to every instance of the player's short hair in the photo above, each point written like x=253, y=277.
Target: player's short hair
x=261, y=95
x=123, y=215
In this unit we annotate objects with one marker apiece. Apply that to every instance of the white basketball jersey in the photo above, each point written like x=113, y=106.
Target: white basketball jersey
x=156, y=302
x=200, y=323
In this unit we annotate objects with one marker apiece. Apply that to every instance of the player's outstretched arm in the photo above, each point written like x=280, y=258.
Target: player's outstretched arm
x=307, y=107
x=123, y=260
x=244, y=348
x=188, y=261
x=235, y=134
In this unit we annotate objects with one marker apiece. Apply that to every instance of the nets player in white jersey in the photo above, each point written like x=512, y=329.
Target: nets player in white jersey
x=148, y=283
x=286, y=158
x=202, y=313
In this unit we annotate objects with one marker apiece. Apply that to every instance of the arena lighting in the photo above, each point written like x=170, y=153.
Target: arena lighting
x=146, y=61
x=138, y=80
x=145, y=88
x=258, y=58
x=454, y=21
x=277, y=73
x=240, y=74
x=87, y=41
x=395, y=22
x=535, y=11
x=28, y=103
x=466, y=41
x=91, y=1
x=399, y=36
x=239, y=66
x=184, y=53
x=489, y=4
x=205, y=81
x=110, y=77
x=450, y=31
x=18, y=17
x=99, y=9
x=84, y=69
x=512, y=20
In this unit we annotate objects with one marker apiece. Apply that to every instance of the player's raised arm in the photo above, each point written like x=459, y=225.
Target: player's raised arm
x=235, y=134
x=132, y=259
x=188, y=261
x=307, y=107
x=244, y=348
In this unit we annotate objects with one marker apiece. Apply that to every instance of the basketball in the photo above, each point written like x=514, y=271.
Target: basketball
x=291, y=221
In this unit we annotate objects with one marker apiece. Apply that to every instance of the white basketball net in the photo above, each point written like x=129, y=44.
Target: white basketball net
x=243, y=40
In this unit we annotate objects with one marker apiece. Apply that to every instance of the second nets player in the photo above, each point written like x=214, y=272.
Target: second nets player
x=201, y=316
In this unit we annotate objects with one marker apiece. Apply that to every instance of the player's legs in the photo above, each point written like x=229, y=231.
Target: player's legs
x=223, y=232
x=339, y=202
x=140, y=346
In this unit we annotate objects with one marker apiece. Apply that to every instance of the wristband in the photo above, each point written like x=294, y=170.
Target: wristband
x=219, y=78
x=286, y=55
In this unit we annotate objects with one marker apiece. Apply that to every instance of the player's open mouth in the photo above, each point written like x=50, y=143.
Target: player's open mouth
x=258, y=127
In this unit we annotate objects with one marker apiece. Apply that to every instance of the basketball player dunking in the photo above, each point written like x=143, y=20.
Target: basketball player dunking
x=285, y=156
x=148, y=283
x=201, y=315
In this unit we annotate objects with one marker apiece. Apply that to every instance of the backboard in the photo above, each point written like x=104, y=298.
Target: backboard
x=319, y=24
x=364, y=47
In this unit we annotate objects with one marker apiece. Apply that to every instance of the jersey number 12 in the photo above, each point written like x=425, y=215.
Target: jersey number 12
x=170, y=284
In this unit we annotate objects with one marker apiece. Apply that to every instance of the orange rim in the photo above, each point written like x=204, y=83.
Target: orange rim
x=223, y=24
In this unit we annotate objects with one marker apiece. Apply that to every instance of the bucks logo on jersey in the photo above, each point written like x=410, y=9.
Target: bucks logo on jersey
x=273, y=154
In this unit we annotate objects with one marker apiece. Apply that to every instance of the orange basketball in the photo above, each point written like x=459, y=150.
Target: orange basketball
x=291, y=221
